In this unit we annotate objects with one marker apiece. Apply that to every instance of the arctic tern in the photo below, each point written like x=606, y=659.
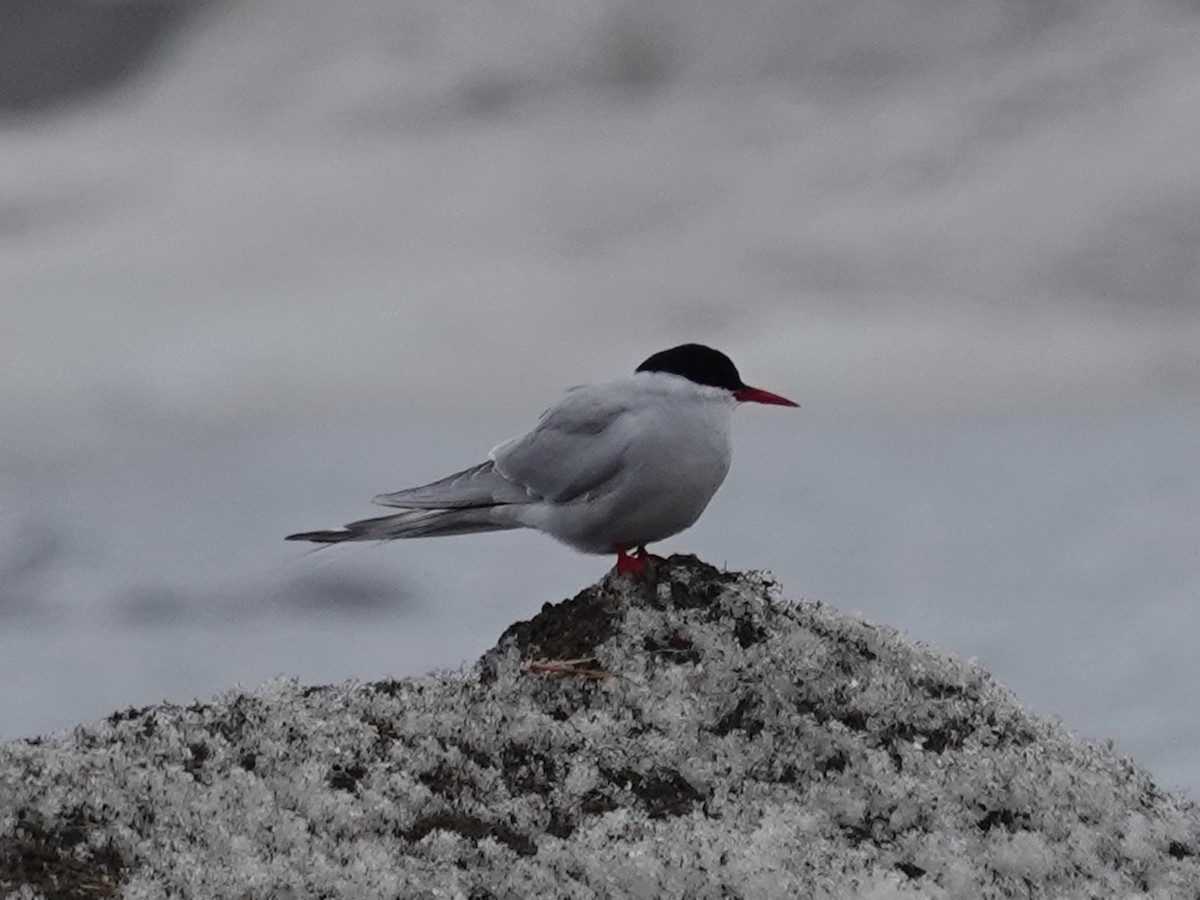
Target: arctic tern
x=610, y=468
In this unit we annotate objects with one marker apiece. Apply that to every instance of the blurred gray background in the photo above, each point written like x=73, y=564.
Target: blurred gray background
x=261, y=260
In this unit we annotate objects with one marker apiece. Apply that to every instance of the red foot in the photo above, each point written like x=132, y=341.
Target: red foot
x=629, y=565
x=635, y=563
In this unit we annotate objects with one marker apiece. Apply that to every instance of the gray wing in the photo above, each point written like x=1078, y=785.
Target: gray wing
x=477, y=486
x=578, y=447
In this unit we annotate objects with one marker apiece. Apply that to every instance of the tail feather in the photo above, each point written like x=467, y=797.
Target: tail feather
x=412, y=524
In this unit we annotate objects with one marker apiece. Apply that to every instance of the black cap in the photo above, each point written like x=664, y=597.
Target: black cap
x=697, y=363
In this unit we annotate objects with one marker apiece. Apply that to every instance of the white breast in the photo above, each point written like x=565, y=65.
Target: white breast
x=674, y=441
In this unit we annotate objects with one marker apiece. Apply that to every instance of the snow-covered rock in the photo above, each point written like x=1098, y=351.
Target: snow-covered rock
x=726, y=743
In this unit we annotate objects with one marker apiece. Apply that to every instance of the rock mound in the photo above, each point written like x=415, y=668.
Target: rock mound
x=720, y=742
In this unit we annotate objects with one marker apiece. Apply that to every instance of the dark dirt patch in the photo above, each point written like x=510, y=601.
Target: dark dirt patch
x=198, y=754
x=663, y=792
x=837, y=761
x=597, y=802
x=144, y=715
x=128, y=714
x=568, y=630
x=564, y=821
x=1008, y=819
x=852, y=649
x=748, y=633
x=242, y=718
x=389, y=688
x=910, y=869
x=673, y=648
x=871, y=829
x=528, y=771
x=694, y=584
x=740, y=718
x=949, y=717
x=52, y=858
x=574, y=628
x=346, y=778
x=562, y=824
x=940, y=690
x=471, y=827
x=1179, y=850
x=385, y=734
x=445, y=779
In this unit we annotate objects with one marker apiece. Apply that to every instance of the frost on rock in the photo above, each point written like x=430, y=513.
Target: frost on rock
x=742, y=746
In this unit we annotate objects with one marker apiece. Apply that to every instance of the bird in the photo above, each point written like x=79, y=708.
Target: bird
x=610, y=468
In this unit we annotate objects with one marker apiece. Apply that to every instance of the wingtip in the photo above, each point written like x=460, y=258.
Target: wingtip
x=319, y=537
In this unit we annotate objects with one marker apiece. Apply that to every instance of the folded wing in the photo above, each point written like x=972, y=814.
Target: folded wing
x=577, y=448
x=475, y=487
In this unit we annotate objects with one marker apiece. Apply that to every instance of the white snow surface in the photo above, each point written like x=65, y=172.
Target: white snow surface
x=740, y=746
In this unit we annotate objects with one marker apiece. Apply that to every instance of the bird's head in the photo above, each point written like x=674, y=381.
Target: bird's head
x=706, y=366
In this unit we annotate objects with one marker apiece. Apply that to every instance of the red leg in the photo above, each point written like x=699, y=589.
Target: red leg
x=628, y=565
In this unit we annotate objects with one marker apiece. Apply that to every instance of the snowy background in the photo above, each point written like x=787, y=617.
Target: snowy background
x=261, y=260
